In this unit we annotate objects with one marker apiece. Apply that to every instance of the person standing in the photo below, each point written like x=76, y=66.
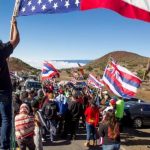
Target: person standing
x=109, y=130
x=92, y=120
x=61, y=101
x=119, y=108
x=24, y=128
x=50, y=110
x=38, y=126
x=6, y=50
x=120, y=111
x=75, y=111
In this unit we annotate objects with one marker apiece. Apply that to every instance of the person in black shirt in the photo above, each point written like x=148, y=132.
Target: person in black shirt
x=75, y=111
x=5, y=86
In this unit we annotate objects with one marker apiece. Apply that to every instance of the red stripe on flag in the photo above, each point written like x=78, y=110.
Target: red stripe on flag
x=122, y=89
x=126, y=75
x=118, y=6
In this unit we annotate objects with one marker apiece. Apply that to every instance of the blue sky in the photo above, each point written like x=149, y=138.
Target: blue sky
x=75, y=35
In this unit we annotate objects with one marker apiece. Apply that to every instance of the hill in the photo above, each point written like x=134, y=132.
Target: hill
x=132, y=61
x=16, y=64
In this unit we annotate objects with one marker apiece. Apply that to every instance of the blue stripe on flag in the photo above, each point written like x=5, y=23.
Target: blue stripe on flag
x=130, y=82
x=117, y=88
x=95, y=82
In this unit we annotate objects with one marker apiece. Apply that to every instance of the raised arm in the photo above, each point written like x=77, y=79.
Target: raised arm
x=14, y=38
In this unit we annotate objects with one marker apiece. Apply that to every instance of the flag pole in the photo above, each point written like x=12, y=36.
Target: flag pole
x=146, y=69
x=15, y=13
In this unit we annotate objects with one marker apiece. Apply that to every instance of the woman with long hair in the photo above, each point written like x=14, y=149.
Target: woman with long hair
x=109, y=130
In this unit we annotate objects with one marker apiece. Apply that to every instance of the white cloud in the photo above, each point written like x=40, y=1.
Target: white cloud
x=58, y=64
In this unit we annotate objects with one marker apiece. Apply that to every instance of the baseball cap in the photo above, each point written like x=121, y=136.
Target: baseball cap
x=61, y=91
x=112, y=102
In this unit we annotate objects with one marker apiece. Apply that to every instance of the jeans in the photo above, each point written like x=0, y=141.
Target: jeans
x=53, y=126
x=90, y=129
x=74, y=124
x=6, y=116
x=111, y=147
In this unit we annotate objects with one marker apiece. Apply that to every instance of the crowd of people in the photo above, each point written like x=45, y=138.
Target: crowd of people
x=56, y=112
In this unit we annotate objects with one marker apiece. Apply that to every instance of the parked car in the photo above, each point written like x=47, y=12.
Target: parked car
x=29, y=84
x=137, y=114
x=133, y=99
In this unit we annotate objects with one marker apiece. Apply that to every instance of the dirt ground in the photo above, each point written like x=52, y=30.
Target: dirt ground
x=144, y=91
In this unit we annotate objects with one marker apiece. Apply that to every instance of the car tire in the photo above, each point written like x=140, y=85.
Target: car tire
x=137, y=123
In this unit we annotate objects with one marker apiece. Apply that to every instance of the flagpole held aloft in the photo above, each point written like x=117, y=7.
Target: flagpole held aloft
x=147, y=69
x=15, y=13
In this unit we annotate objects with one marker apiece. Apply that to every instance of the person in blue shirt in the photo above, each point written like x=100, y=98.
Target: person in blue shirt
x=63, y=108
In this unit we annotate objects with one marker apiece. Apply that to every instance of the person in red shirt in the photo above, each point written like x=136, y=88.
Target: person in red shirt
x=92, y=120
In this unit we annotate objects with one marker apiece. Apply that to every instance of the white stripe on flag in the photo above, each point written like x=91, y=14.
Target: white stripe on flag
x=125, y=70
x=142, y=4
x=126, y=86
x=45, y=75
x=111, y=86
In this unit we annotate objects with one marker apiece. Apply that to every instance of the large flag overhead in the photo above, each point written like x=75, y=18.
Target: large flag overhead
x=136, y=9
x=121, y=81
x=48, y=71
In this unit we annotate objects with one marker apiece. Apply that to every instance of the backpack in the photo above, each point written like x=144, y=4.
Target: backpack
x=115, y=133
x=50, y=110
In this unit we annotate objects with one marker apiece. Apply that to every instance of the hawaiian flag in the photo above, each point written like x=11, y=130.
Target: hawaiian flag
x=120, y=80
x=93, y=81
x=73, y=81
x=136, y=9
x=49, y=71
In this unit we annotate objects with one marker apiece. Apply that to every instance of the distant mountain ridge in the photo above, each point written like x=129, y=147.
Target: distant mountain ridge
x=86, y=61
x=16, y=64
x=132, y=61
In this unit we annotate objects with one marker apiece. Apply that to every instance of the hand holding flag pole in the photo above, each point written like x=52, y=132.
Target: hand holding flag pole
x=13, y=20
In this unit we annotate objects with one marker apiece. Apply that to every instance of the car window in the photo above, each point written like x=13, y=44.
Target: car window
x=146, y=107
x=33, y=85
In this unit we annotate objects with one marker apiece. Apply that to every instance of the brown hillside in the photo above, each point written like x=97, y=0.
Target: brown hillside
x=132, y=61
x=16, y=64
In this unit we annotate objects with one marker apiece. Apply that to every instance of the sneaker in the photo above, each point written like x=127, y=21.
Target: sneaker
x=94, y=142
x=43, y=140
x=87, y=144
x=74, y=137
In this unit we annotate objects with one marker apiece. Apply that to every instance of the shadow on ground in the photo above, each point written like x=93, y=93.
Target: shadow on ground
x=133, y=136
x=57, y=143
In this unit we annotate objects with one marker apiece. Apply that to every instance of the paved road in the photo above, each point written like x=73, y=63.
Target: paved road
x=77, y=144
x=136, y=139
x=131, y=139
